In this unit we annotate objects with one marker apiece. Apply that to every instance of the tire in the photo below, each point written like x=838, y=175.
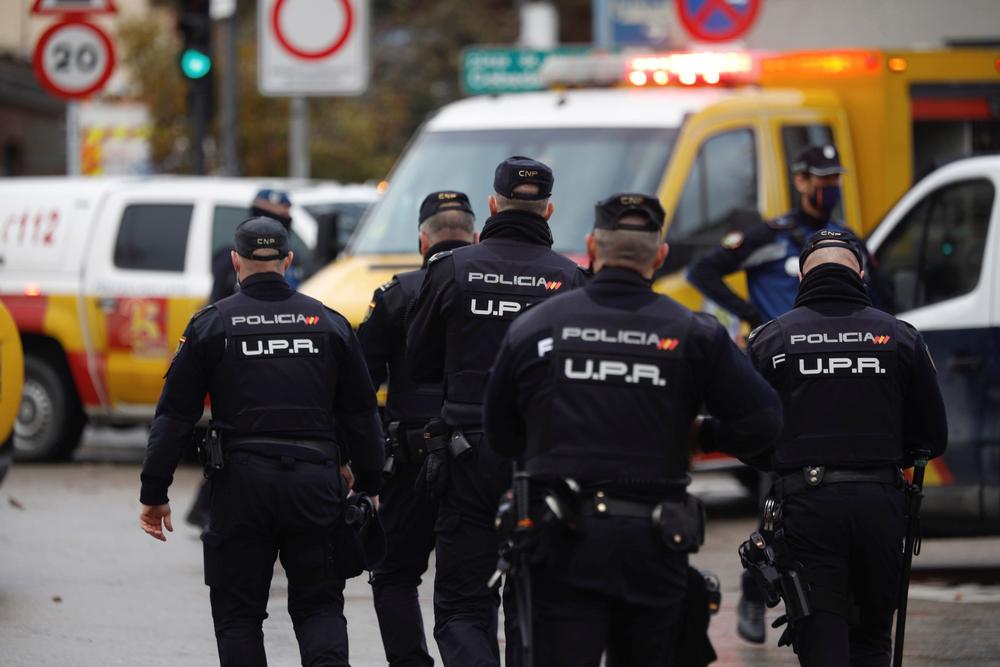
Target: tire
x=50, y=421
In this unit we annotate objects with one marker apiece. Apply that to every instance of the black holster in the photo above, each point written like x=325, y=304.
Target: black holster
x=210, y=453
x=704, y=597
x=441, y=443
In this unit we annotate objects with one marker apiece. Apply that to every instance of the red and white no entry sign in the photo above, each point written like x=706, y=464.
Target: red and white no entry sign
x=297, y=31
x=73, y=59
x=313, y=47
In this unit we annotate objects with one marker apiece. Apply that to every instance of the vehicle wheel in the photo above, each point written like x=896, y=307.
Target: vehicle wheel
x=50, y=419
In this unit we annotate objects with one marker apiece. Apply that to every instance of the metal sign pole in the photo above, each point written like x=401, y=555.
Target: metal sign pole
x=72, y=138
x=230, y=98
x=298, y=138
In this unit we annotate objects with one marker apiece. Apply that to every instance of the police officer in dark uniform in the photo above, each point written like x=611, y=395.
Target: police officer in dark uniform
x=860, y=398
x=291, y=402
x=769, y=252
x=446, y=222
x=468, y=299
x=603, y=385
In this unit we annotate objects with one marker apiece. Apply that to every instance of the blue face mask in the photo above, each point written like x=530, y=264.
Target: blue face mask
x=825, y=199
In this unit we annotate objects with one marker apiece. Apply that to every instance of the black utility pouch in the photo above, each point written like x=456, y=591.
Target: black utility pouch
x=680, y=524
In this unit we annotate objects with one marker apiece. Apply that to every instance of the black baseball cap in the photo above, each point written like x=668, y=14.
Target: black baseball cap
x=257, y=237
x=818, y=160
x=829, y=238
x=445, y=200
x=520, y=170
x=609, y=212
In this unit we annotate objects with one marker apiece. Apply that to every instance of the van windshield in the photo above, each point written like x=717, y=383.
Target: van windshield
x=589, y=164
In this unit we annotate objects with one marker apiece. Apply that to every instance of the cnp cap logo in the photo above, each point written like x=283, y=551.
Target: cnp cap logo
x=829, y=152
x=829, y=233
x=527, y=173
x=447, y=195
x=266, y=241
x=631, y=200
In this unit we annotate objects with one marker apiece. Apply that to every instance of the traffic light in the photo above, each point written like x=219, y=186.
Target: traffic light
x=195, y=27
x=195, y=61
x=195, y=64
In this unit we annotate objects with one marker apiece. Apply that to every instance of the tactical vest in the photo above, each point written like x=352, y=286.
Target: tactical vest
x=497, y=281
x=279, y=368
x=410, y=402
x=618, y=393
x=841, y=391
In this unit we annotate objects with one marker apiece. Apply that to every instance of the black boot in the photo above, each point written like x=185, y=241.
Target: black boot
x=750, y=620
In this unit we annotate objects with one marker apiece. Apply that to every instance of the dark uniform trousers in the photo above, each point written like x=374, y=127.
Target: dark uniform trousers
x=408, y=520
x=848, y=538
x=465, y=608
x=616, y=590
x=263, y=508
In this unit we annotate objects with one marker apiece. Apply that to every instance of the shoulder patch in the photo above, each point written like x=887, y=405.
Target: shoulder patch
x=388, y=285
x=438, y=256
x=180, y=344
x=732, y=240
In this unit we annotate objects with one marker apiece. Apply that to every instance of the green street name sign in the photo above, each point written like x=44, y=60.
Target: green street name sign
x=487, y=70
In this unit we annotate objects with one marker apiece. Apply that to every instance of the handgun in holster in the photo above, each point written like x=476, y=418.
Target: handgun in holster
x=212, y=460
x=777, y=581
x=394, y=450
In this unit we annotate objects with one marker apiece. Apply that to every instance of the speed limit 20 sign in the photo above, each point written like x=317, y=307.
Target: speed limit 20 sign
x=73, y=59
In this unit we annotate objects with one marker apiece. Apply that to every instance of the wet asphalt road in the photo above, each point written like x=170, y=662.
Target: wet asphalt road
x=81, y=585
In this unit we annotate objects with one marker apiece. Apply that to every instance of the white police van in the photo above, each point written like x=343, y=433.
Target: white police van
x=939, y=251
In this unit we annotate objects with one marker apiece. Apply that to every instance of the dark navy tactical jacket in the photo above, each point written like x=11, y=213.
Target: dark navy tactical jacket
x=273, y=362
x=604, y=383
x=859, y=387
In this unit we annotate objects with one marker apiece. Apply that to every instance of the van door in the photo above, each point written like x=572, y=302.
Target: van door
x=145, y=285
x=719, y=166
x=940, y=262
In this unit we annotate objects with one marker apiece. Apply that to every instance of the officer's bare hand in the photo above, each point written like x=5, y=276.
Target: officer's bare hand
x=348, y=475
x=375, y=502
x=152, y=519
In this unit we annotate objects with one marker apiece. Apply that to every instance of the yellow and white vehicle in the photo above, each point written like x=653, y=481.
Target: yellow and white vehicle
x=101, y=277
x=708, y=132
x=11, y=379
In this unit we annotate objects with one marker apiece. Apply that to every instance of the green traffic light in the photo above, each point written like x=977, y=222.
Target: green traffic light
x=195, y=64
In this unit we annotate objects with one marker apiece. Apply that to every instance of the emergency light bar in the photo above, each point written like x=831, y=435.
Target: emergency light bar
x=688, y=68
x=834, y=63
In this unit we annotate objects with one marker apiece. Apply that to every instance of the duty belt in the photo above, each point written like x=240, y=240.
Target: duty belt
x=326, y=447
x=411, y=442
x=815, y=476
x=602, y=505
